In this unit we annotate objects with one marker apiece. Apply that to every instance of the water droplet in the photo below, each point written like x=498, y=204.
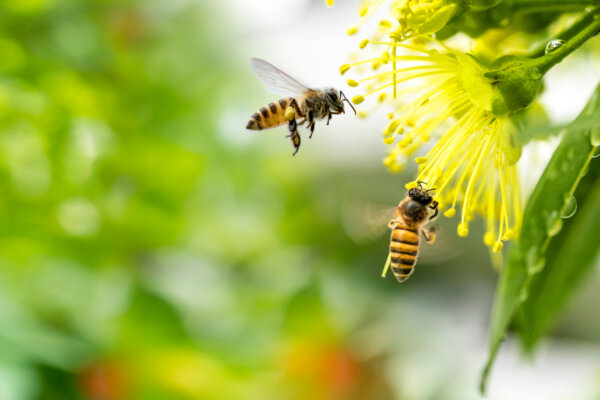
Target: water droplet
x=570, y=208
x=534, y=262
x=555, y=228
x=566, y=165
x=553, y=45
x=595, y=137
x=551, y=219
x=537, y=267
x=523, y=295
x=596, y=152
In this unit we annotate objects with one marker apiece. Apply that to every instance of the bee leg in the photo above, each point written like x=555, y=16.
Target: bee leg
x=429, y=234
x=332, y=113
x=311, y=123
x=294, y=135
x=290, y=115
x=296, y=142
x=392, y=224
x=434, y=207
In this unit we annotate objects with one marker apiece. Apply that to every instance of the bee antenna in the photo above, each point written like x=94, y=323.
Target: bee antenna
x=348, y=101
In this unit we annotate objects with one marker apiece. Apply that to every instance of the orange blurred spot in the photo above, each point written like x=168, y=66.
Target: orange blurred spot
x=104, y=380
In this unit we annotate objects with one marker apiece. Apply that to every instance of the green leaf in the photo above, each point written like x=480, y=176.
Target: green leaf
x=541, y=221
x=571, y=254
x=543, y=130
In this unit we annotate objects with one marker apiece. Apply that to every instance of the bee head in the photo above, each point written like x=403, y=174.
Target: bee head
x=335, y=100
x=420, y=195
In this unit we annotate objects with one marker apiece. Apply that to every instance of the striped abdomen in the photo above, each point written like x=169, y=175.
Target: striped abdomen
x=270, y=116
x=404, y=248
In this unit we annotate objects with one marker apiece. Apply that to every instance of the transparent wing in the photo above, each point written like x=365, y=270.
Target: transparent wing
x=275, y=80
x=365, y=221
x=446, y=248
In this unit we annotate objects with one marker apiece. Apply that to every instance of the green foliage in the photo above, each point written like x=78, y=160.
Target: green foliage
x=531, y=16
x=570, y=256
x=536, y=127
x=148, y=251
x=551, y=200
x=517, y=84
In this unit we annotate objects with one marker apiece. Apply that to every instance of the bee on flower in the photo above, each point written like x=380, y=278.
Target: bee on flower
x=453, y=99
x=460, y=105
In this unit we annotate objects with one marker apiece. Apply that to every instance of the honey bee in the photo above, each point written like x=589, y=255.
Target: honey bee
x=413, y=212
x=303, y=104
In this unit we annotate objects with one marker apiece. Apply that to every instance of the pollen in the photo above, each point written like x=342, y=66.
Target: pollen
x=363, y=43
x=497, y=247
x=344, y=68
x=389, y=161
x=352, y=31
x=508, y=235
x=389, y=140
x=329, y=3
x=411, y=185
x=449, y=213
x=489, y=239
x=463, y=229
x=384, y=24
x=391, y=127
x=290, y=114
x=397, y=35
x=421, y=160
x=352, y=82
x=358, y=99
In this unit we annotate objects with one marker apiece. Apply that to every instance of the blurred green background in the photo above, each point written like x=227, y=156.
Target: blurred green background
x=152, y=248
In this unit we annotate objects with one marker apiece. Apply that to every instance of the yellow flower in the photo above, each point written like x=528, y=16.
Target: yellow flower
x=412, y=17
x=473, y=165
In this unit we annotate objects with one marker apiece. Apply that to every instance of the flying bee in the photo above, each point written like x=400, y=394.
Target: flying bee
x=303, y=104
x=413, y=212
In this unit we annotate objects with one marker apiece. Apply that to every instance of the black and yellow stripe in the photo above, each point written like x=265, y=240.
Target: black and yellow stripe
x=404, y=249
x=272, y=115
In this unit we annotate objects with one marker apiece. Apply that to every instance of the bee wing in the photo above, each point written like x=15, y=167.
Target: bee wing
x=365, y=221
x=275, y=80
x=446, y=246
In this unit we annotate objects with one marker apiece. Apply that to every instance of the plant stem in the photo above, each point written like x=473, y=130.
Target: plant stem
x=520, y=7
x=587, y=27
x=542, y=5
x=565, y=35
